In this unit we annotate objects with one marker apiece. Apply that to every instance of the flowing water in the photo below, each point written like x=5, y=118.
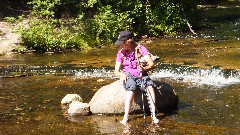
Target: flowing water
x=204, y=69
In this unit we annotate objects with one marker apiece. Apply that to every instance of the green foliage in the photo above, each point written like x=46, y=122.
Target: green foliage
x=13, y=20
x=165, y=18
x=44, y=36
x=143, y=17
x=63, y=24
x=47, y=33
x=106, y=24
x=10, y=19
x=44, y=8
x=20, y=48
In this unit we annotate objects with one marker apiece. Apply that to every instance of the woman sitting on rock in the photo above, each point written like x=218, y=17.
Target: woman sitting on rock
x=134, y=75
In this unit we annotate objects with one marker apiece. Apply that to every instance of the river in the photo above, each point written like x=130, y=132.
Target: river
x=204, y=69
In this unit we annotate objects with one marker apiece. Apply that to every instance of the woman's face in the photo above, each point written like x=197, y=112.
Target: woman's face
x=127, y=45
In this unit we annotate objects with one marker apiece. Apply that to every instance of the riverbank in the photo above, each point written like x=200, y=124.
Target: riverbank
x=8, y=38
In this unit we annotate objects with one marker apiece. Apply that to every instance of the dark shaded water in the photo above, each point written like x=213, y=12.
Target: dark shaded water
x=203, y=69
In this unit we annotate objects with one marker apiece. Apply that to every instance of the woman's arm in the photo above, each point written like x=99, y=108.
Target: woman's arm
x=118, y=72
x=150, y=64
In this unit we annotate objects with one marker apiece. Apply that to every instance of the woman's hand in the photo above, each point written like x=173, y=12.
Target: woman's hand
x=117, y=72
x=123, y=78
x=140, y=68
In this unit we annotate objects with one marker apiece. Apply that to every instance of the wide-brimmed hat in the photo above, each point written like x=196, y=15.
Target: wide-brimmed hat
x=123, y=36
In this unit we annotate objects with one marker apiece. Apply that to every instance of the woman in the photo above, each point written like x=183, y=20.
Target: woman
x=134, y=73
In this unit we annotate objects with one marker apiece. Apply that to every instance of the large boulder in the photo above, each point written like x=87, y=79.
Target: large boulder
x=110, y=99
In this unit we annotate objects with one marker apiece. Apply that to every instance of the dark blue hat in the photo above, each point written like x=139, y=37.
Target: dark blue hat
x=123, y=36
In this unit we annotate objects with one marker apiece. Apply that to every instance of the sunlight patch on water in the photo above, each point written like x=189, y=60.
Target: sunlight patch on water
x=198, y=76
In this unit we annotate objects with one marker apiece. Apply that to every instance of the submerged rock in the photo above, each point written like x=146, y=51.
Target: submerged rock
x=110, y=99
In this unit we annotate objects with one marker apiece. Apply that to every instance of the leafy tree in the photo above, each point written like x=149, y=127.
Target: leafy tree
x=63, y=24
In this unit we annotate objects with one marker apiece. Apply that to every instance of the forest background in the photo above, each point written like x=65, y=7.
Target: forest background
x=61, y=25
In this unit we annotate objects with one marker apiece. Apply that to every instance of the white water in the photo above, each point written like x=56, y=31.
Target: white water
x=212, y=77
x=197, y=77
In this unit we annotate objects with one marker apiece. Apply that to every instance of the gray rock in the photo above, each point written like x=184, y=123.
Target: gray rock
x=110, y=99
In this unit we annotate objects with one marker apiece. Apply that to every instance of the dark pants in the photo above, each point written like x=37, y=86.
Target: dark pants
x=134, y=83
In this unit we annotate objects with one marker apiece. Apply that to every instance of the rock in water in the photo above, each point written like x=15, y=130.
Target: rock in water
x=69, y=98
x=110, y=99
x=78, y=108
